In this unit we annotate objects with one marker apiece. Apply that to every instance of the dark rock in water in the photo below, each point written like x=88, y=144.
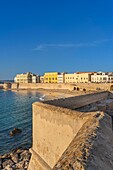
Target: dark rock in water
x=15, y=131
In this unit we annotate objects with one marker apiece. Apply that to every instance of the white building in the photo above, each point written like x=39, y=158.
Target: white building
x=61, y=78
x=100, y=77
x=35, y=78
x=110, y=77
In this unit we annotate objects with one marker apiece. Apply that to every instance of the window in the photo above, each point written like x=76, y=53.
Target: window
x=104, y=78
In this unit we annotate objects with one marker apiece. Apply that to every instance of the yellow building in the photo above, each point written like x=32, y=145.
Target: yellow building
x=51, y=77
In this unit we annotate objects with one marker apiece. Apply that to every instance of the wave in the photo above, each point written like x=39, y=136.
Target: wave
x=42, y=97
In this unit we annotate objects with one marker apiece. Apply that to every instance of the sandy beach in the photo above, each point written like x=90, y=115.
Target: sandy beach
x=56, y=94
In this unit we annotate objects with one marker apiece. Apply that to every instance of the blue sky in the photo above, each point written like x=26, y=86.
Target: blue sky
x=55, y=35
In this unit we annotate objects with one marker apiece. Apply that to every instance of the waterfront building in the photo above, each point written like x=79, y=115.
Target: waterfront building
x=70, y=78
x=41, y=79
x=78, y=77
x=61, y=78
x=23, y=78
x=83, y=77
x=51, y=77
x=35, y=78
x=110, y=78
x=26, y=78
x=101, y=77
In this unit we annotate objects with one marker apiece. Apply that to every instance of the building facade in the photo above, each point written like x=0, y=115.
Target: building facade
x=83, y=77
x=61, y=78
x=70, y=78
x=79, y=77
x=23, y=78
x=41, y=79
x=110, y=78
x=26, y=78
x=100, y=78
x=51, y=77
x=35, y=78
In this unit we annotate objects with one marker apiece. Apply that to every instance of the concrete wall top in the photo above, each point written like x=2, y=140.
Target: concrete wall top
x=92, y=147
x=78, y=101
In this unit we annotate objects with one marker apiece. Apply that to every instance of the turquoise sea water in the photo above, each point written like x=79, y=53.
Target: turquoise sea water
x=16, y=111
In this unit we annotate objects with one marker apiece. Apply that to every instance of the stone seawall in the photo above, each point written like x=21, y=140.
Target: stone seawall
x=65, y=86
x=68, y=139
x=95, y=86
x=35, y=86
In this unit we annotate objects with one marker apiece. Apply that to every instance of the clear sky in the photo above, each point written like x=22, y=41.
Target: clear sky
x=55, y=35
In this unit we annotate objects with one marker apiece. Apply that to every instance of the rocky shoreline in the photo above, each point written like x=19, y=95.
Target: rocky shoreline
x=15, y=160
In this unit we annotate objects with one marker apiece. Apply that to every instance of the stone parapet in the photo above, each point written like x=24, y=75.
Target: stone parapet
x=78, y=101
x=64, y=138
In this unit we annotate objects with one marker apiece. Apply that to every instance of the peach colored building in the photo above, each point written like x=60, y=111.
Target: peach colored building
x=78, y=77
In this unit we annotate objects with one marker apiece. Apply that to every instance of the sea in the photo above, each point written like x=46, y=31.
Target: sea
x=16, y=112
